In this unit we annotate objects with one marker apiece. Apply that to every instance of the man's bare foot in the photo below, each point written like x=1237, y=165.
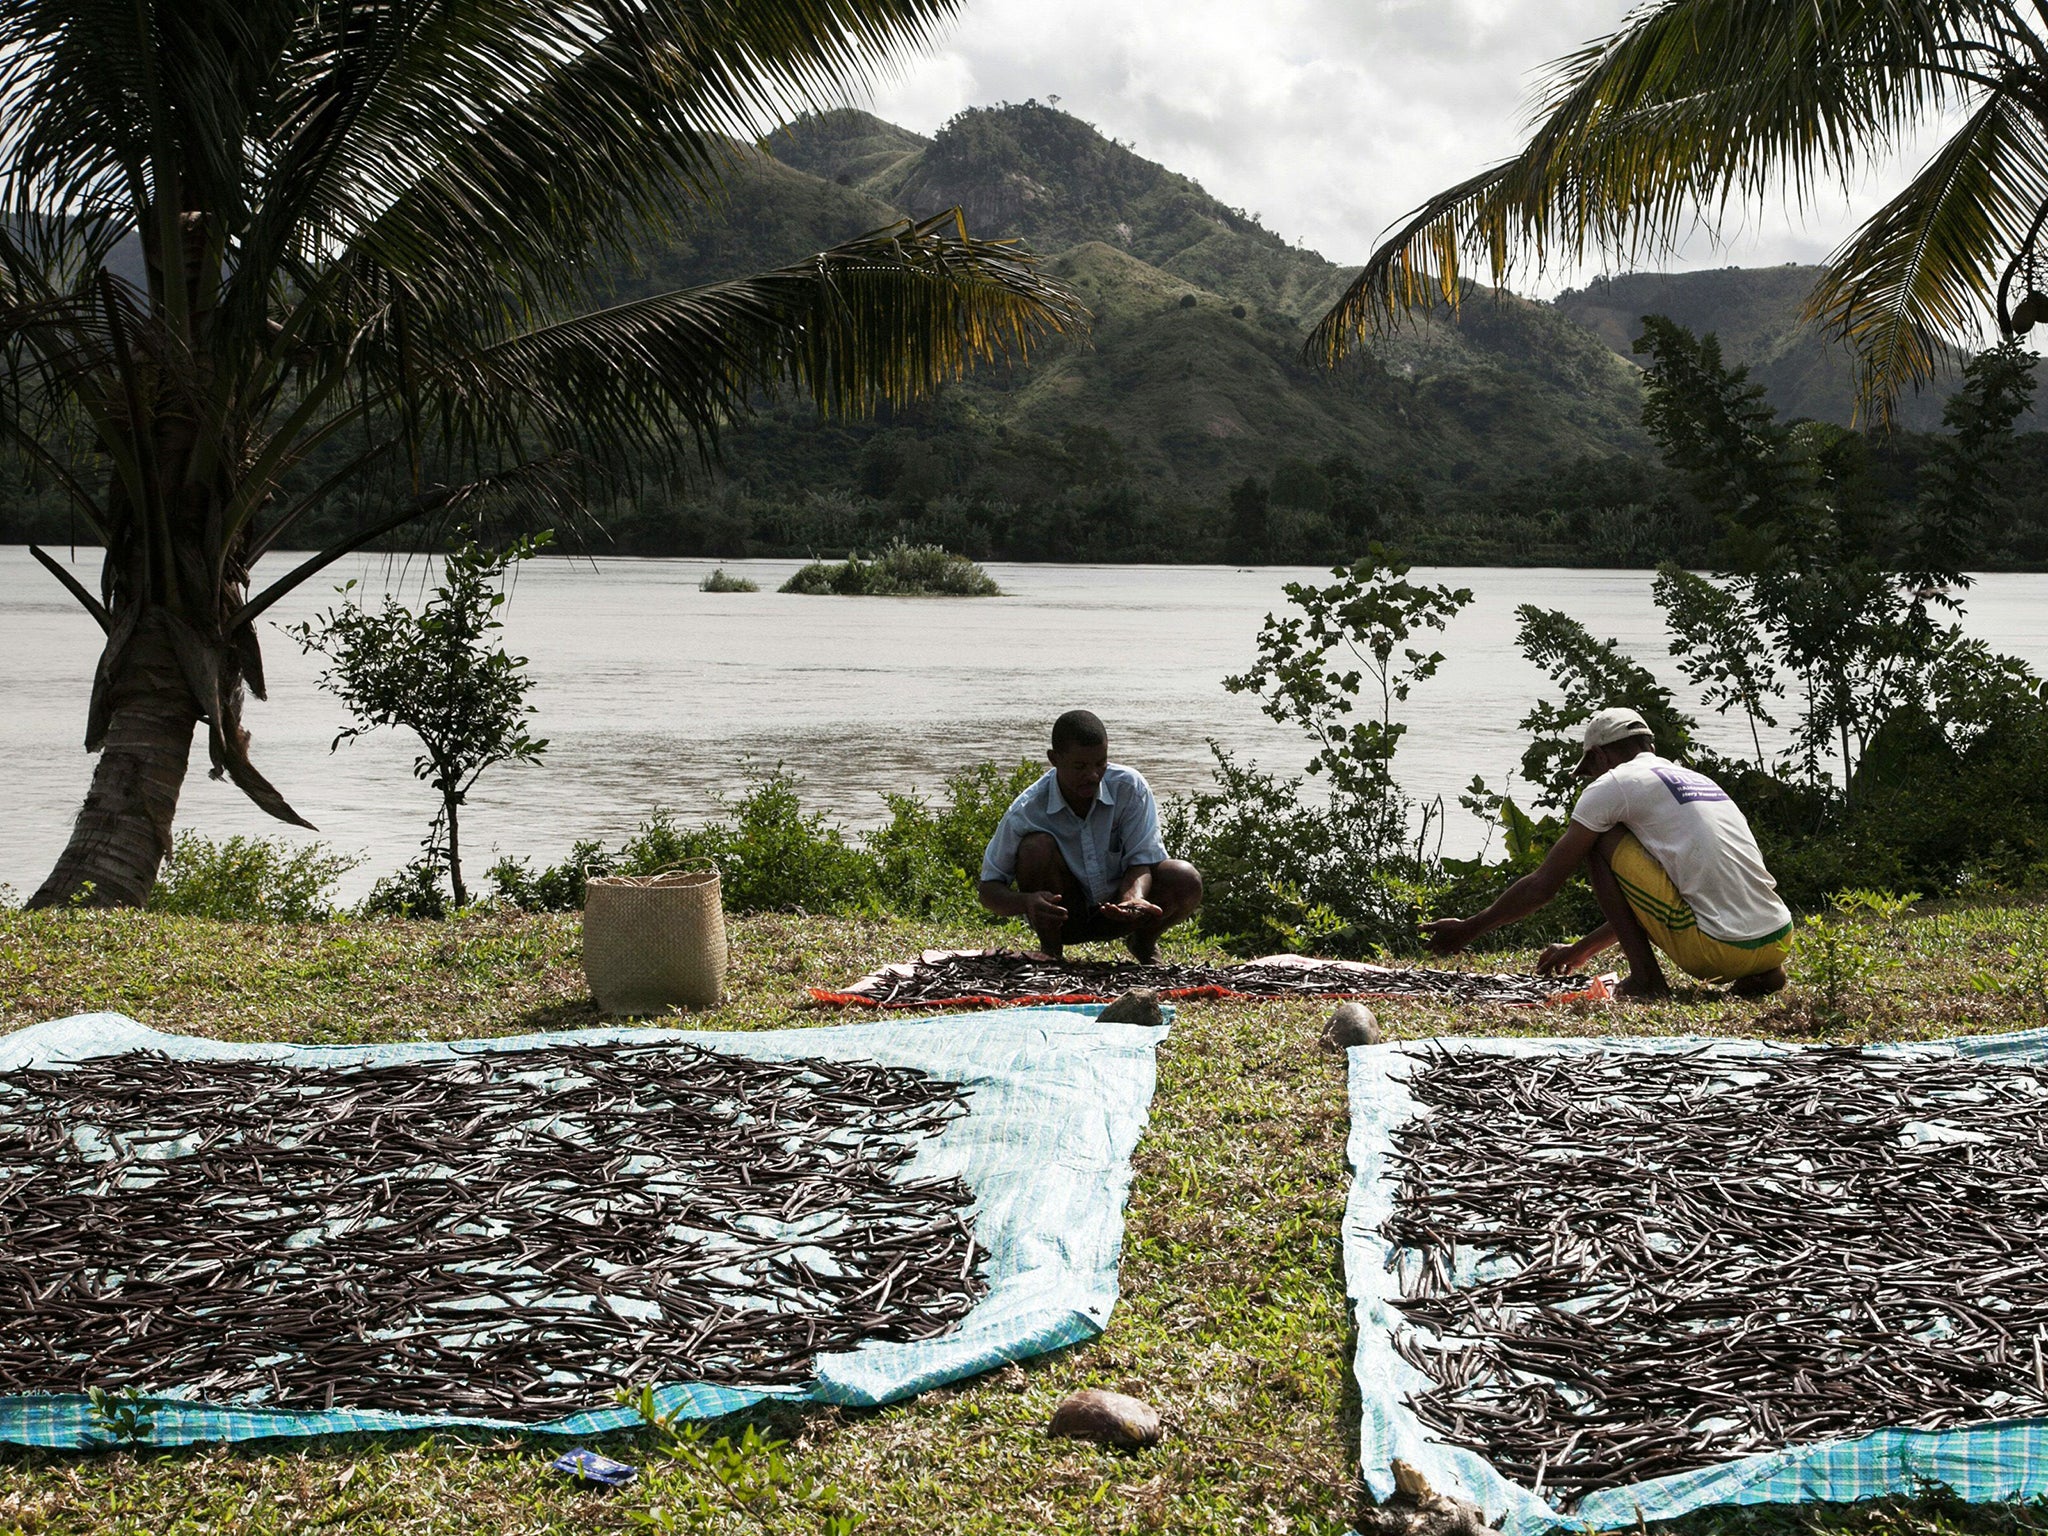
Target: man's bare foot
x=1144, y=951
x=1762, y=984
x=1642, y=988
x=1056, y=953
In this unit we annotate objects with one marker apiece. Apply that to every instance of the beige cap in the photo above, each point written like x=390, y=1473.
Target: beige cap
x=1619, y=723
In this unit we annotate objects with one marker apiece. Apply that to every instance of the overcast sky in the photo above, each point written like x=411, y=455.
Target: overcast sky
x=1329, y=119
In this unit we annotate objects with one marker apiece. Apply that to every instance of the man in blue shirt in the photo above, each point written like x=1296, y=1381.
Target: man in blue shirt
x=1078, y=856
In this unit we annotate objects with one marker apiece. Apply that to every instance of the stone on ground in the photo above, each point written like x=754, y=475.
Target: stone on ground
x=1352, y=1024
x=1108, y=1418
x=1140, y=1005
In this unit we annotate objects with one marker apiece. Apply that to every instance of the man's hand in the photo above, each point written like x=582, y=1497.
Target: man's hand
x=1558, y=960
x=1132, y=909
x=1447, y=935
x=1042, y=909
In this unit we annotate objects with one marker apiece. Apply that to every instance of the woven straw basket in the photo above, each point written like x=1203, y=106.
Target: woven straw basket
x=653, y=942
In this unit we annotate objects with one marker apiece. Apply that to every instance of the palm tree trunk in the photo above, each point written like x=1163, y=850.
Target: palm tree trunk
x=123, y=830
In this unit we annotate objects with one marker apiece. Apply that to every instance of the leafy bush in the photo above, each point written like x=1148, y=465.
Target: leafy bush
x=248, y=880
x=901, y=570
x=928, y=860
x=719, y=581
x=418, y=891
x=1281, y=874
x=1837, y=956
x=1595, y=675
x=1337, y=668
x=658, y=846
x=1351, y=876
x=772, y=855
x=439, y=674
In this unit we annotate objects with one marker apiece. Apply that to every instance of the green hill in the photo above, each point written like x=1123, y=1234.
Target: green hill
x=1188, y=388
x=1185, y=425
x=1200, y=313
x=1757, y=313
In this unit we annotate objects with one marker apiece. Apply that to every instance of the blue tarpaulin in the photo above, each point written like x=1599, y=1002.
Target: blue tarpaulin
x=1982, y=1462
x=1057, y=1100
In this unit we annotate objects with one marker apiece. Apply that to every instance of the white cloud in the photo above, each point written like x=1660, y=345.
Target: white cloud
x=1328, y=118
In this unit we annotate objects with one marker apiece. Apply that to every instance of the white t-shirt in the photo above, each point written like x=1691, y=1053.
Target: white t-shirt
x=1692, y=829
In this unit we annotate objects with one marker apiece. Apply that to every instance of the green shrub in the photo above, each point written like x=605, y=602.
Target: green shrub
x=2022, y=973
x=1281, y=874
x=248, y=880
x=774, y=856
x=556, y=888
x=419, y=891
x=928, y=861
x=901, y=570
x=771, y=854
x=658, y=846
x=719, y=581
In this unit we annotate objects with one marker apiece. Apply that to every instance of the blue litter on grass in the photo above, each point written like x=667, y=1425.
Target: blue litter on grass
x=1981, y=1463
x=1058, y=1102
x=589, y=1467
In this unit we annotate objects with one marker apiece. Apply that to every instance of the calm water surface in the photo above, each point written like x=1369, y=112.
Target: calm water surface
x=654, y=693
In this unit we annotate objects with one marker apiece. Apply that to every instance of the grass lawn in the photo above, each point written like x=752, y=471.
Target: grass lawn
x=1232, y=1319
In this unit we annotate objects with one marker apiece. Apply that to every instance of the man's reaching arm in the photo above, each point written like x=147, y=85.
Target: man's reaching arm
x=1448, y=935
x=1033, y=906
x=1559, y=959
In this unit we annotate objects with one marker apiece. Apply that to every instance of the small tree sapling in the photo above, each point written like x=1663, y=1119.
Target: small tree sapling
x=439, y=674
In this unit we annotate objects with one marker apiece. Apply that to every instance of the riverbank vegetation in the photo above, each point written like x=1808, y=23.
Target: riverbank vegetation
x=900, y=570
x=722, y=580
x=1917, y=761
x=1232, y=1316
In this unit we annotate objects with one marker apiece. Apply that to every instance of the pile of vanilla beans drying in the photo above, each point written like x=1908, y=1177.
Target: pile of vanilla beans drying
x=1621, y=1265
x=1007, y=976
x=513, y=1233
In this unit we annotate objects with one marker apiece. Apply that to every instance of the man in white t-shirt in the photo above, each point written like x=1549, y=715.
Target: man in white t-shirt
x=1672, y=863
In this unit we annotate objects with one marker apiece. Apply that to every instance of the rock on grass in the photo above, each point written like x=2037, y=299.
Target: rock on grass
x=1108, y=1418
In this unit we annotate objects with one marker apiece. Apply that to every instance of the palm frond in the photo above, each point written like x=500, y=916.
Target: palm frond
x=884, y=318
x=507, y=145
x=1917, y=280
x=1690, y=106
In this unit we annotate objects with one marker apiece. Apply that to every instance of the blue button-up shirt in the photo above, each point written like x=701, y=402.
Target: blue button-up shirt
x=1120, y=830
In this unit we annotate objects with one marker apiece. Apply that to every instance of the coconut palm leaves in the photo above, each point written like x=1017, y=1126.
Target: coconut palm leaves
x=363, y=245
x=1695, y=106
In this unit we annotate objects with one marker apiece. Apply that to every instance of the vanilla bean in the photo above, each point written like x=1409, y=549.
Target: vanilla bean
x=510, y=1233
x=1621, y=1264
x=1005, y=976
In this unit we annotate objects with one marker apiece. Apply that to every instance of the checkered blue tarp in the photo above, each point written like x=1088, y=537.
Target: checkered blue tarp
x=1981, y=1463
x=1058, y=1101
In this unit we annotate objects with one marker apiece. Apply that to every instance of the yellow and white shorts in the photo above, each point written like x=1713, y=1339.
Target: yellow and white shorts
x=1668, y=918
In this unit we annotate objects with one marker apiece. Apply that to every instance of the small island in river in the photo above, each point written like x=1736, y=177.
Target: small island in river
x=901, y=570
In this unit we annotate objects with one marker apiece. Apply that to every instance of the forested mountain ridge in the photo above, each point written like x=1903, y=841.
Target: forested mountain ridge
x=1199, y=312
x=1186, y=424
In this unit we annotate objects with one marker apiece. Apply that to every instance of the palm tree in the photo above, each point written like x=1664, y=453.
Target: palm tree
x=371, y=235
x=1694, y=107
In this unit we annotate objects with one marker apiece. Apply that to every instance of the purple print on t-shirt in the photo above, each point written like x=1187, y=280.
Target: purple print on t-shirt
x=1687, y=786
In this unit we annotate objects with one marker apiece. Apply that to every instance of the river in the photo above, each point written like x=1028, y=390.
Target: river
x=652, y=692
